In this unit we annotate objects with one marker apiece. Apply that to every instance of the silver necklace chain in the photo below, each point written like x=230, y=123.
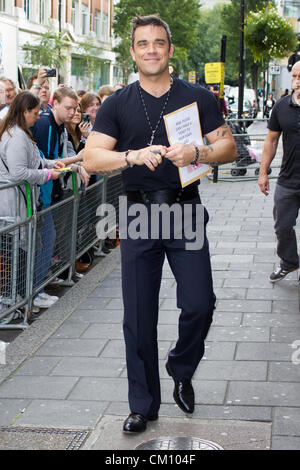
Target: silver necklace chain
x=153, y=131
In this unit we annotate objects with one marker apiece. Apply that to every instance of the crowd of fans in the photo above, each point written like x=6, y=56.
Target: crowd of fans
x=40, y=133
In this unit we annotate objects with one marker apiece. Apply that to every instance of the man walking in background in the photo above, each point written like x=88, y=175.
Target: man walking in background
x=285, y=120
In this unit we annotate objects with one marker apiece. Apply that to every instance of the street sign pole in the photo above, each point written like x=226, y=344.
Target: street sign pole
x=242, y=60
x=221, y=95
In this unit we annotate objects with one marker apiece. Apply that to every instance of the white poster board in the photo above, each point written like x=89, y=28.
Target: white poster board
x=183, y=126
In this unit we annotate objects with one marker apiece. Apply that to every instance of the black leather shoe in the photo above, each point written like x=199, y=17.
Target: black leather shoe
x=135, y=423
x=183, y=393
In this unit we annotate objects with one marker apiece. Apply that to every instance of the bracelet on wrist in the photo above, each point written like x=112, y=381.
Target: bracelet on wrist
x=194, y=162
x=129, y=165
x=49, y=174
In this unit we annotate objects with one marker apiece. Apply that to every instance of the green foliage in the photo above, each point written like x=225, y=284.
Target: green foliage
x=269, y=35
x=181, y=15
x=124, y=58
x=207, y=47
x=231, y=28
x=49, y=49
x=88, y=55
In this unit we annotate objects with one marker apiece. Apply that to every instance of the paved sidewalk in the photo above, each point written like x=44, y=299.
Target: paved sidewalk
x=67, y=371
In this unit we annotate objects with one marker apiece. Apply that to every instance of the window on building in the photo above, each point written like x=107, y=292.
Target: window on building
x=85, y=19
x=105, y=27
x=3, y=5
x=73, y=14
x=97, y=20
x=27, y=9
x=291, y=8
x=42, y=11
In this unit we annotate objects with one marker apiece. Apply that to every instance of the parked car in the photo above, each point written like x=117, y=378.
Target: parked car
x=249, y=103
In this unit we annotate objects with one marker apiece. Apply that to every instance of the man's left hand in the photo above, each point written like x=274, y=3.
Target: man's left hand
x=180, y=155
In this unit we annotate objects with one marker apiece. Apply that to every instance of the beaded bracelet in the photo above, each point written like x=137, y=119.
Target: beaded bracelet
x=197, y=156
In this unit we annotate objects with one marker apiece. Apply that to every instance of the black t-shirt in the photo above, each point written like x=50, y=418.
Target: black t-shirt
x=285, y=118
x=123, y=117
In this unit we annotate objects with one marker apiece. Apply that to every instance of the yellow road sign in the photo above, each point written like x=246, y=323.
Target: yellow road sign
x=192, y=76
x=214, y=72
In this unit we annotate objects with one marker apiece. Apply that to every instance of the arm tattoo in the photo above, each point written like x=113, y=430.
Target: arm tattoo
x=118, y=169
x=224, y=131
x=204, y=154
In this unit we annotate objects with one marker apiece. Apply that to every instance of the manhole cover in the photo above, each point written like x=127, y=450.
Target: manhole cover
x=16, y=438
x=179, y=443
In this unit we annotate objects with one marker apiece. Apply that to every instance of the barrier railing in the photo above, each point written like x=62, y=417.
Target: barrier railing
x=15, y=243
x=249, y=136
x=44, y=244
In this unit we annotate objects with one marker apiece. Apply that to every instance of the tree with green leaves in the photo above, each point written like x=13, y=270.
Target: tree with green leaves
x=269, y=35
x=49, y=49
x=181, y=15
x=231, y=28
x=207, y=47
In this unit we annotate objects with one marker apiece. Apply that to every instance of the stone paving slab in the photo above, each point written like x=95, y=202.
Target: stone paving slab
x=264, y=393
x=37, y=387
x=230, y=435
x=72, y=414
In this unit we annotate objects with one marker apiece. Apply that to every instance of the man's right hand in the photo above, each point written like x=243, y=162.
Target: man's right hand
x=263, y=183
x=147, y=157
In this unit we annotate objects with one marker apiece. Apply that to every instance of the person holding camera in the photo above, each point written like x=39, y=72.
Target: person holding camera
x=78, y=129
x=38, y=84
x=90, y=103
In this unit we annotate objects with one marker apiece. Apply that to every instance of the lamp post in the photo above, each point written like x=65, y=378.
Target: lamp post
x=59, y=30
x=241, y=60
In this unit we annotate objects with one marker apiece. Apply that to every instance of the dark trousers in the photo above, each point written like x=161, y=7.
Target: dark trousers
x=142, y=262
x=286, y=209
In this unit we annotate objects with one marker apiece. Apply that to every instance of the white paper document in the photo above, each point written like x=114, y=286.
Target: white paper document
x=183, y=126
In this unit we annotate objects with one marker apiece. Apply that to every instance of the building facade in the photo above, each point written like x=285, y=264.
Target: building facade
x=85, y=25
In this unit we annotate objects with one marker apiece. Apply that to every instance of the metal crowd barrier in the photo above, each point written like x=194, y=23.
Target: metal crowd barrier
x=44, y=245
x=249, y=136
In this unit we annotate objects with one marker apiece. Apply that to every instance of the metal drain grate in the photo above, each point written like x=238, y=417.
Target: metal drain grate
x=19, y=438
x=179, y=443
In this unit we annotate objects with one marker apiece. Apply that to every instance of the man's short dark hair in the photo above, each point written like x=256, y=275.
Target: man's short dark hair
x=154, y=20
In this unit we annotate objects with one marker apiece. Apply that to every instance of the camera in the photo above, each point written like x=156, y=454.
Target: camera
x=85, y=117
x=51, y=73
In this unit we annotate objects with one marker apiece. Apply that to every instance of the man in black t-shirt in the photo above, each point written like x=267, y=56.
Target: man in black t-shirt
x=129, y=135
x=285, y=120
